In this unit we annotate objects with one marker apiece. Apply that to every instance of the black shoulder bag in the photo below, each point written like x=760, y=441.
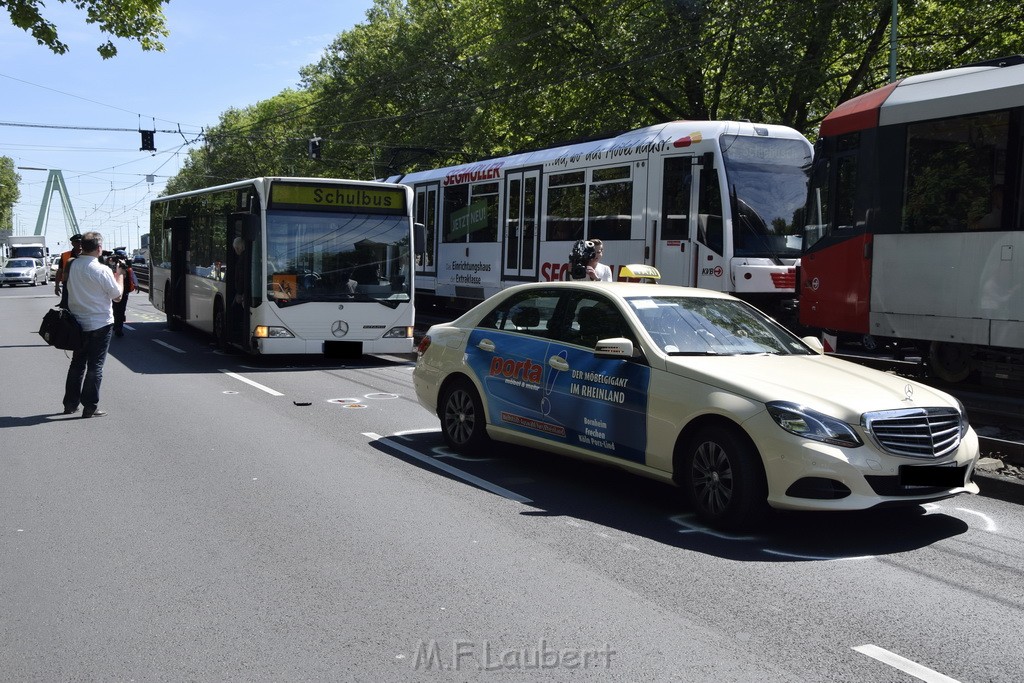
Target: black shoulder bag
x=59, y=327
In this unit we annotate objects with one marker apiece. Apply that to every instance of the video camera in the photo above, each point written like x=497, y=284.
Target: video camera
x=583, y=252
x=115, y=258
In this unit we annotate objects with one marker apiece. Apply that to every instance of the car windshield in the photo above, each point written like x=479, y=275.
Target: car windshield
x=20, y=263
x=697, y=326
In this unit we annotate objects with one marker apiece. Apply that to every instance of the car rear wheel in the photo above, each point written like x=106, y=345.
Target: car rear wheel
x=462, y=417
x=723, y=478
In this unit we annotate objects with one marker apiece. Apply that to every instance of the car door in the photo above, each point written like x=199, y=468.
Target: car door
x=540, y=377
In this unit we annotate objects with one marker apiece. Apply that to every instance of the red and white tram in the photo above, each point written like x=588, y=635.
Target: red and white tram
x=711, y=203
x=914, y=219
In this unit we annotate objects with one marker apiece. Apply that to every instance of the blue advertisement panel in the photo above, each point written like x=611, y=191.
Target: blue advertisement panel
x=563, y=393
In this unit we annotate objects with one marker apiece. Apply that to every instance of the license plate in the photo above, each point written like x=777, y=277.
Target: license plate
x=943, y=476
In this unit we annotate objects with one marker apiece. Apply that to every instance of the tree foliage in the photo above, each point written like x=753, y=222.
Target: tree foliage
x=424, y=83
x=141, y=20
x=9, y=194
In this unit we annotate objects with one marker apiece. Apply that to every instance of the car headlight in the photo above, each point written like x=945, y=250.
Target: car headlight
x=965, y=423
x=811, y=424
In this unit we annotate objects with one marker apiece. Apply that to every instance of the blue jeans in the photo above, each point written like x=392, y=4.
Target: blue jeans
x=86, y=371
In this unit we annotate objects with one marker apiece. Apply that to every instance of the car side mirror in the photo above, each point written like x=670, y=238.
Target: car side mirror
x=815, y=344
x=615, y=347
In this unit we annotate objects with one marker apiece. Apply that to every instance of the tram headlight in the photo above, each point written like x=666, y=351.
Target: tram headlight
x=398, y=333
x=271, y=332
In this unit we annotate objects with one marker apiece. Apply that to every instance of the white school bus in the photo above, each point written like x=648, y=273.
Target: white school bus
x=288, y=265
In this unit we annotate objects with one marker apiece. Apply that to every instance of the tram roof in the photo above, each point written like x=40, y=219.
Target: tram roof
x=626, y=147
x=935, y=95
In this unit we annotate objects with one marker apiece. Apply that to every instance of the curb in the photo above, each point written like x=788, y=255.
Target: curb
x=1002, y=488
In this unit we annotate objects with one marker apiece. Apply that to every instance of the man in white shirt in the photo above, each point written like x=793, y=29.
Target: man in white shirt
x=92, y=288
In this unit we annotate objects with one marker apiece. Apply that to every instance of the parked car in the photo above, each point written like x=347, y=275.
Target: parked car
x=693, y=387
x=24, y=271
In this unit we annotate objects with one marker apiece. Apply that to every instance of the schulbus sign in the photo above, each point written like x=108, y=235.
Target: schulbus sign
x=354, y=198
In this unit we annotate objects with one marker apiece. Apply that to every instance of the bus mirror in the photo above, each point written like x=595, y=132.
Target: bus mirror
x=418, y=239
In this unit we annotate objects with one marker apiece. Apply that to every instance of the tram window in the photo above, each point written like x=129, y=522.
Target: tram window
x=710, y=230
x=565, y=205
x=675, y=198
x=471, y=213
x=610, y=204
x=953, y=168
x=846, y=188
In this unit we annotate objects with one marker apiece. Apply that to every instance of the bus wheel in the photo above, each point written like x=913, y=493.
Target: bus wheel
x=950, y=362
x=723, y=479
x=220, y=335
x=462, y=417
x=172, y=322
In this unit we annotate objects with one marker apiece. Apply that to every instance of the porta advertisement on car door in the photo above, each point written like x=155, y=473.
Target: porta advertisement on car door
x=562, y=392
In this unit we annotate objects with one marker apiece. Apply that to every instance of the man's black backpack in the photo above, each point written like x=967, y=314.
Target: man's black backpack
x=60, y=330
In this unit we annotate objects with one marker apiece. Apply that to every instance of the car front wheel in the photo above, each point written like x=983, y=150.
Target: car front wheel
x=462, y=417
x=723, y=478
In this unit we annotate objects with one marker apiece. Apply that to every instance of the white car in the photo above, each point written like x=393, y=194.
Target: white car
x=23, y=271
x=693, y=387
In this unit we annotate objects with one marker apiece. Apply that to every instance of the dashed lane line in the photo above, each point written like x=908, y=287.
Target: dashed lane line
x=445, y=467
x=903, y=664
x=251, y=383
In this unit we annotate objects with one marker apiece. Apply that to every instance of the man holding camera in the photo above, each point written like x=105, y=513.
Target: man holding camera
x=585, y=262
x=91, y=288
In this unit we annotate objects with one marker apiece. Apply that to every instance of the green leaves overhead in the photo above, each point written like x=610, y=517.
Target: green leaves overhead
x=425, y=83
x=141, y=20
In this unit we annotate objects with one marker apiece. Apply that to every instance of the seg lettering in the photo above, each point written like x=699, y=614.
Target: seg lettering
x=553, y=272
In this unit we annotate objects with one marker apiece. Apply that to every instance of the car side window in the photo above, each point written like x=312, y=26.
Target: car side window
x=593, y=317
x=528, y=313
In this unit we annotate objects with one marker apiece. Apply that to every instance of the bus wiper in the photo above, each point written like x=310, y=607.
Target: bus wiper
x=390, y=303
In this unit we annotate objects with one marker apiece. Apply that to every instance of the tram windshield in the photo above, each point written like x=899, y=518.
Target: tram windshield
x=767, y=189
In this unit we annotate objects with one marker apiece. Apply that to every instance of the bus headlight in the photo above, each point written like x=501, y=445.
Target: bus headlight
x=269, y=332
x=398, y=333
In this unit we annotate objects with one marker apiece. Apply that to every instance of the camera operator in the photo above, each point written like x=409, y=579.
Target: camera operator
x=91, y=287
x=119, y=259
x=585, y=261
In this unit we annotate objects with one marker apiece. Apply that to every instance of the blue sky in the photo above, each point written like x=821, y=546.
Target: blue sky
x=219, y=54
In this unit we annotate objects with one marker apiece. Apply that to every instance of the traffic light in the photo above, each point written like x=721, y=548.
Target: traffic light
x=148, y=143
x=314, y=149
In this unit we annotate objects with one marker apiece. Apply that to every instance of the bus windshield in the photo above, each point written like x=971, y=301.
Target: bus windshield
x=337, y=257
x=767, y=189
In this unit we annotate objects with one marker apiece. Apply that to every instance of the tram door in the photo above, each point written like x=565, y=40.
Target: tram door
x=175, y=299
x=674, y=250
x=521, y=221
x=426, y=213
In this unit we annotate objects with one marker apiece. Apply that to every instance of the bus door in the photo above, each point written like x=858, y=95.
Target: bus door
x=521, y=221
x=238, y=278
x=427, y=208
x=674, y=250
x=176, y=297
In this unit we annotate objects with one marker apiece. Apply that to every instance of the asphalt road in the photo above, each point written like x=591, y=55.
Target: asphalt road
x=240, y=519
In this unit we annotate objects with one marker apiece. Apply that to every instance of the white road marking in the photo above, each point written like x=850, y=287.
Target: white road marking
x=692, y=526
x=905, y=665
x=820, y=558
x=990, y=524
x=165, y=344
x=251, y=383
x=445, y=467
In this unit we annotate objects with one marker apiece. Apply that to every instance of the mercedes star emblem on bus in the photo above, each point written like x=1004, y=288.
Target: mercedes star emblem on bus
x=339, y=328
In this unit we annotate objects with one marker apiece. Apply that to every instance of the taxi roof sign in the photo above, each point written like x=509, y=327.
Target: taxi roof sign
x=640, y=270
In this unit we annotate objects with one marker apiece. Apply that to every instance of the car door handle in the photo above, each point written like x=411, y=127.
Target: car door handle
x=558, y=363
x=486, y=345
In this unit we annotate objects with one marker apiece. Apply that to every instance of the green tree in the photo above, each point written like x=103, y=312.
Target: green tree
x=9, y=194
x=141, y=20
